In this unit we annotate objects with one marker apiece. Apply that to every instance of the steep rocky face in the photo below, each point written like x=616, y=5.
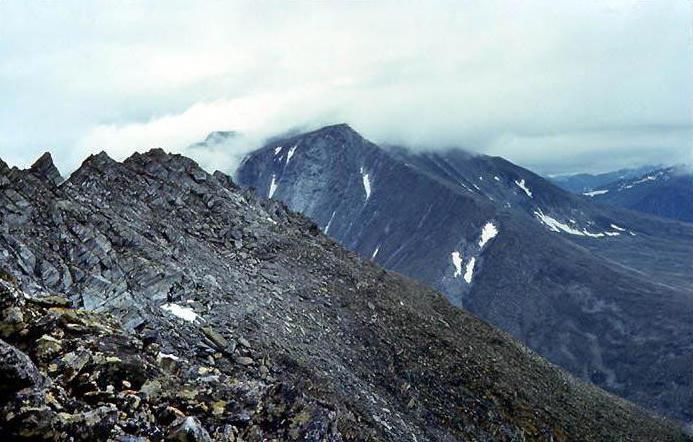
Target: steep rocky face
x=194, y=311
x=44, y=169
x=584, y=286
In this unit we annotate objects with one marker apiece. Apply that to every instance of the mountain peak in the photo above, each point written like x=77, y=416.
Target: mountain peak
x=44, y=168
x=220, y=135
x=340, y=128
x=93, y=163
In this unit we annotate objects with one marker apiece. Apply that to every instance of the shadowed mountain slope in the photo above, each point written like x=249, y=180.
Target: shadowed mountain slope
x=602, y=292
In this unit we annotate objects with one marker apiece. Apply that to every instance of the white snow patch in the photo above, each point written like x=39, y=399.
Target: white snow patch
x=496, y=178
x=277, y=150
x=647, y=178
x=465, y=186
x=521, y=185
x=592, y=235
x=555, y=225
x=273, y=186
x=595, y=193
x=161, y=355
x=366, y=183
x=615, y=227
x=329, y=223
x=375, y=252
x=185, y=313
x=481, y=178
x=469, y=270
x=291, y=153
x=271, y=220
x=487, y=233
x=457, y=262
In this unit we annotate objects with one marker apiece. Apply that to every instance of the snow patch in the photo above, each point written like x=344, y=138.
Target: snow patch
x=273, y=186
x=375, y=252
x=291, y=153
x=469, y=270
x=185, y=313
x=521, y=185
x=465, y=187
x=554, y=225
x=277, y=150
x=496, y=178
x=557, y=226
x=366, y=183
x=329, y=223
x=645, y=179
x=595, y=193
x=615, y=227
x=457, y=262
x=592, y=235
x=487, y=233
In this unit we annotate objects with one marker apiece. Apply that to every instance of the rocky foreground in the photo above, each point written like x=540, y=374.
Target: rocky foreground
x=149, y=300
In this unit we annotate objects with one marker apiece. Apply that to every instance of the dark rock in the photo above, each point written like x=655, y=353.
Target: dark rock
x=17, y=371
x=217, y=339
x=45, y=169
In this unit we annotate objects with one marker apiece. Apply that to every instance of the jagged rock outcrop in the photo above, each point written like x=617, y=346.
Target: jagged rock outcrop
x=45, y=169
x=158, y=301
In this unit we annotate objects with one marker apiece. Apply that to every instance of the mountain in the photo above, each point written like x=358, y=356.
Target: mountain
x=585, y=182
x=149, y=299
x=602, y=292
x=215, y=138
x=666, y=192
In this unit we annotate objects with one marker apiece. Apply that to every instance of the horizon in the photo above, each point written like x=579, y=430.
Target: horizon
x=231, y=172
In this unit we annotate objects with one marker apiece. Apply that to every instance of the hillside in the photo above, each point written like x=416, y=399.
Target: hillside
x=602, y=292
x=204, y=313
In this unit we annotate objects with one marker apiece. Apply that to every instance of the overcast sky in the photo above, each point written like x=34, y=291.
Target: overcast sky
x=558, y=86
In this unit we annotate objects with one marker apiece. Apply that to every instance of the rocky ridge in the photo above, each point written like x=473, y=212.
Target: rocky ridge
x=149, y=300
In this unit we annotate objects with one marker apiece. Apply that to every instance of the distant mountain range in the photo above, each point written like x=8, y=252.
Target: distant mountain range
x=666, y=192
x=656, y=190
x=584, y=182
x=601, y=291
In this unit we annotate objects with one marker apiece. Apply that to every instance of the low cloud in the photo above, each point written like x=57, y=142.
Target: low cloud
x=555, y=86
